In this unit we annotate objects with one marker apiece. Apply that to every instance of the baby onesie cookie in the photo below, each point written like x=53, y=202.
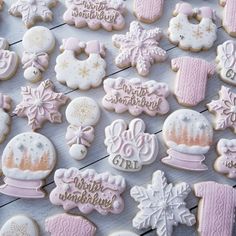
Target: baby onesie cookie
x=135, y=96
x=190, y=36
x=69, y=225
x=84, y=74
x=226, y=162
x=161, y=205
x=40, y=104
x=88, y=191
x=148, y=11
x=226, y=61
x=33, y=10
x=188, y=134
x=216, y=209
x=139, y=48
x=123, y=233
x=130, y=148
x=191, y=79
x=82, y=113
x=106, y=14
x=20, y=225
x=37, y=43
x=26, y=160
x=224, y=110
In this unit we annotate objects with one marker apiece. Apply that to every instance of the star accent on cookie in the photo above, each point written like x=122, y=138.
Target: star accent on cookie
x=209, y=29
x=40, y=104
x=139, y=48
x=224, y=109
x=17, y=229
x=96, y=65
x=162, y=205
x=178, y=26
x=198, y=34
x=32, y=10
x=64, y=65
x=84, y=72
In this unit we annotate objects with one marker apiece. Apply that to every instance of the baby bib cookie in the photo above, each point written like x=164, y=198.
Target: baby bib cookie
x=69, y=225
x=224, y=110
x=88, y=191
x=20, y=225
x=135, y=96
x=37, y=43
x=139, y=48
x=216, y=209
x=84, y=74
x=130, y=148
x=26, y=160
x=161, y=205
x=32, y=10
x=226, y=162
x=148, y=11
x=106, y=14
x=40, y=104
x=82, y=113
x=190, y=36
x=123, y=233
x=189, y=135
x=191, y=79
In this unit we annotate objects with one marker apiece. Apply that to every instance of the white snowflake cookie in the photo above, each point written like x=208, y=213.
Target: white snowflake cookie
x=162, y=205
x=84, y=74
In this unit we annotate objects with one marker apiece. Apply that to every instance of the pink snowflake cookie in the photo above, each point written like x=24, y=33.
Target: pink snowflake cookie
x=139, y=48
x=224, y=109
x=40, y=104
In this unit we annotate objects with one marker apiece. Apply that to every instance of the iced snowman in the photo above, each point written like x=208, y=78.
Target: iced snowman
x=26, y=160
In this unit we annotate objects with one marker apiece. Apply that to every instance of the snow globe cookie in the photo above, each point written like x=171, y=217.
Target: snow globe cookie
x=188, y=134
x=26, y=160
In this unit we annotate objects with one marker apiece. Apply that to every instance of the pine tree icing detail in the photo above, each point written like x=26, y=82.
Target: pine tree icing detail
x=162, y=205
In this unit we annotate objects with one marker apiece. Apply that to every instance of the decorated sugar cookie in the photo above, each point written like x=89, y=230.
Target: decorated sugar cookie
x=139, y=48
x=26, y=160
x=226, y=162
x=69, y=225
x=135, y=96
x=123, y=233
x=188, y=134
x=216, y=209
x=88, y=191
x=191, y=81
x=82, y=113
x=161, y=205
x=32, y=10
x=20, y=225
x=190, y=36
x=37, y=43
x=84, y=74
x=40, y=104
x=148, y=11
x=130, y=148
x=224, y=110
x=106, y=14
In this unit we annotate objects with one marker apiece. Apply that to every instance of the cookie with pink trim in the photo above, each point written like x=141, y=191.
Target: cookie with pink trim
x=135, y=96
x=106, y=14
x=189, y=135
x=87, y=190
x=224, y=110
x=139, y=48
x=148, y=11
x=129, y=147
x=40, y=104
x=69, y=225
x=191, y=79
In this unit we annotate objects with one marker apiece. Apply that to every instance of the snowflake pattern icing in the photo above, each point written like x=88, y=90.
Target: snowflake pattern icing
x=139, y=48
x=162, y=205
x=17, y=229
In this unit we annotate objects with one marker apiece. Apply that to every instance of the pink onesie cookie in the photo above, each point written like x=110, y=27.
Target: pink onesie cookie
x=216, y=209
x=191, y=81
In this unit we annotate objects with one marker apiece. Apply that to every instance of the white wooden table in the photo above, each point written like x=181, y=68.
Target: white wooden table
x=12, y=29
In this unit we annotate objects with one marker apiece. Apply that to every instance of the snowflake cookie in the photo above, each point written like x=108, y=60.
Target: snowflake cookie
x=84, y=74
x=139, y=48
x=32, y=10
x=162, y=205
x=40, y=104
x=224, y=109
